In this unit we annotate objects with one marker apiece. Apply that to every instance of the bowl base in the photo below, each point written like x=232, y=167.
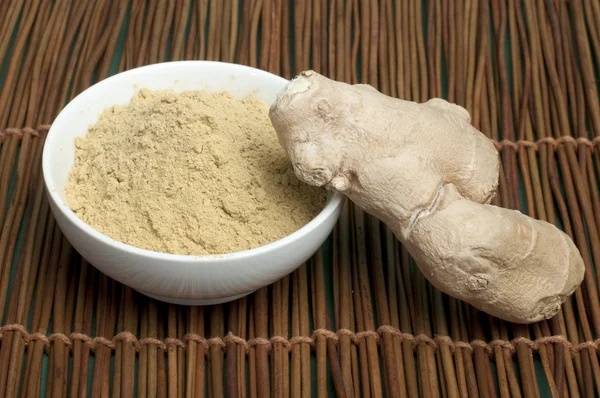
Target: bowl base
x=195, y=302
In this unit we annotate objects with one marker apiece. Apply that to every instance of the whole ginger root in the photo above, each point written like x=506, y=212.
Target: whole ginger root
x=429, y=175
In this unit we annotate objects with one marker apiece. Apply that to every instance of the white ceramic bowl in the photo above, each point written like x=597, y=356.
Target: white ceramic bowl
x=180, y=279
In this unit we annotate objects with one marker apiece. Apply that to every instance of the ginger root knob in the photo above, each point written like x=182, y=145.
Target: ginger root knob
x=429, y=175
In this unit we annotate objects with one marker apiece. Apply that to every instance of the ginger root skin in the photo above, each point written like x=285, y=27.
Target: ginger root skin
x=429, y=175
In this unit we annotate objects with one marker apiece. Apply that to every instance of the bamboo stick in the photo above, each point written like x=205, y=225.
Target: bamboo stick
x=153, y=351
x=345, y=275
x=586, y=63
x=256, y=13
x=200, y=358
x=216, y=353
x=469, y=382
x=190, y=387
x=101, y=320
x=147, y=41
x=36, y=112
x=42, y=309
x=394, y=389
x=266, y=44
x=61, y=368
x=180, y=352
x=284, y=308
x=11, y=10
x=78, y=326
x=285, y=51
x=362, y=383
x=261, y=324
x=161, y=390
x=191, y=42
x=274, y=64
x=32, y=249
x=54, y=97
x=451, y=384
x=143, y=355
x=232, y=351
x=320, y=322
x=252, y=353
x=304, y=331
x=336, y=271
x=7, y=159
x=128, y=358
x=172, y=352
x=373, y=363
x=15, y=211
x=182, y=14
x=21, y=94
x=86, y=329
x=332, y=56
x=405, y=312
x=11, y=76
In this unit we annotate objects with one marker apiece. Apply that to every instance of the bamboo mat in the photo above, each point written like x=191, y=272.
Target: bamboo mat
x=358, y=319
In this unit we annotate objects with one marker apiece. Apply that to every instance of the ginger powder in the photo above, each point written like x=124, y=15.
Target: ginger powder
x=190, y=173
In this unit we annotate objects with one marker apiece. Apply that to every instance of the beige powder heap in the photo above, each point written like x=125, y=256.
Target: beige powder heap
x=190, y=173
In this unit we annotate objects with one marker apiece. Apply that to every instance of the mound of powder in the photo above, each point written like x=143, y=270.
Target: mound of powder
x=189, y=173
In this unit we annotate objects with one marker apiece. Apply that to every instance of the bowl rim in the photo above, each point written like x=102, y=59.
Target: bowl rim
x=334, y=201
